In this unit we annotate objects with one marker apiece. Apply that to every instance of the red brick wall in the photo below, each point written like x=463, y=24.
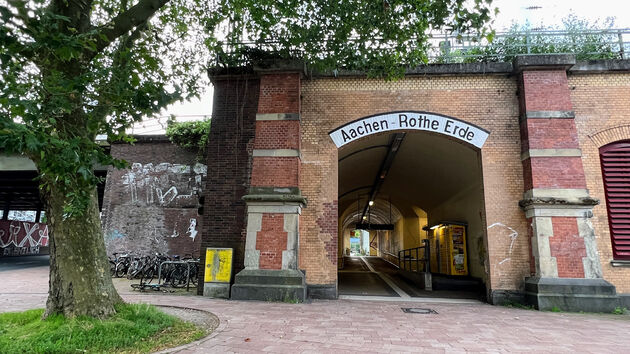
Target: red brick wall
x=279, y=93
x=546, y=91
x=271, y=241
x=555, y=172
x=568, y=247
x=550, y=134
x=277, y=134
x=275, y=172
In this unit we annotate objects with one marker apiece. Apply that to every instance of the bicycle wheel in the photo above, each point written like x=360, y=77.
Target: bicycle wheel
x=178, y=277
x=194, y=273
x=112, y=268
x=148, y=274
x=121, y=270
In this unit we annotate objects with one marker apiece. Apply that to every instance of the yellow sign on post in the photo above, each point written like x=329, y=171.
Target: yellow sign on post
x=218, y=265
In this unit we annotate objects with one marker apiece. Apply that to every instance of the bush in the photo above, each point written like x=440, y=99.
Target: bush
x=192, y=134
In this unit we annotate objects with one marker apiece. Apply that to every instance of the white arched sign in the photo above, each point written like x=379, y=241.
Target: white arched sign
x=429, y=122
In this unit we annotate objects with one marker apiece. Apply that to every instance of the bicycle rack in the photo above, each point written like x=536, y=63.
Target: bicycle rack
x=176, y=262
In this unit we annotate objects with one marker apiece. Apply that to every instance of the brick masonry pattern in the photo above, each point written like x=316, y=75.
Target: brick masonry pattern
x=275, y=171
x=546, y=91
x=271, y=240
x=152, y=206
x=279, y=93
x=602, y=116
x=549, y=134
x=568, y=247
x=487, y=101
x=490, y=102
x=230, y=146
x=277, y=134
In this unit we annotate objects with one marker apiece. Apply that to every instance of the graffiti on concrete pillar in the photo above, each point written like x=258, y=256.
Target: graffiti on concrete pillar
x=22, y=237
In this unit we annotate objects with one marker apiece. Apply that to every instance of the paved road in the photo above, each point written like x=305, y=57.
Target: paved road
x=348, y=326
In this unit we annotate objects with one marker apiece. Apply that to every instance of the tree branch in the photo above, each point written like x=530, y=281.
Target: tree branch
x=126, y=21
x=103, y=108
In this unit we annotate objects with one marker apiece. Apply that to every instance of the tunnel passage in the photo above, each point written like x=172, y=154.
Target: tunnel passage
x=410, y=205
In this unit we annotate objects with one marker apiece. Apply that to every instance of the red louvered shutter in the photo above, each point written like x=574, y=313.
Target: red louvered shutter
x=615, y=159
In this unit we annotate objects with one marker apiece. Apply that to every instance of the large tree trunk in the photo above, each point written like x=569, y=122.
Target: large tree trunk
x=80, y=280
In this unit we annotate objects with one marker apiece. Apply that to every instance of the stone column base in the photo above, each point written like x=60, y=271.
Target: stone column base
x=287, y=285
x=571, y=294
x=216, y=290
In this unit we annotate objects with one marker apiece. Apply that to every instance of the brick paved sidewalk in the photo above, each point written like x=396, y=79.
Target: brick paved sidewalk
x=367, y=326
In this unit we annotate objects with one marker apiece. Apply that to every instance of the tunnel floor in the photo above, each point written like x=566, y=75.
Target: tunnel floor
x=373, y=276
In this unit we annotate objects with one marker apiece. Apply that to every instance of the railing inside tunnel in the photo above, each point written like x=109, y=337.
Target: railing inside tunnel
x=415, y=259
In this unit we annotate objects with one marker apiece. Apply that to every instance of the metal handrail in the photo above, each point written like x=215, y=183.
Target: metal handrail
x=405, y=259
x=474, y=47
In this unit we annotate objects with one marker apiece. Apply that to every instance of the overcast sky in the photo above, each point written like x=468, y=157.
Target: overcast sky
x=548, y=13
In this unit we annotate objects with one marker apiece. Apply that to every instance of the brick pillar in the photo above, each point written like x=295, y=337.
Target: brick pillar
x=274, y=201
x=567, y=270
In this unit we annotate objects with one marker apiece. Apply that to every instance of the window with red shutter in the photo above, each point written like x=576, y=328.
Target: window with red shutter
x=615, y=159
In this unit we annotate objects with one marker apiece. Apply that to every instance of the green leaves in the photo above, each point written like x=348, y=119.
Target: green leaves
x=380, y=37
x=192, y=134
x=73, y=70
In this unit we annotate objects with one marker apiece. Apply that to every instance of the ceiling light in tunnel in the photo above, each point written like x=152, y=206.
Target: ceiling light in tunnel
x=371, y=202
x=364, y=217
x=434, y=227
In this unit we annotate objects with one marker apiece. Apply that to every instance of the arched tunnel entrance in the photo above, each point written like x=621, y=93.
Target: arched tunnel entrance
x=411, y=217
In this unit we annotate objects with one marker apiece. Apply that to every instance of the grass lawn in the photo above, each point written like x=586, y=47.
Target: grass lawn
x=136, y=328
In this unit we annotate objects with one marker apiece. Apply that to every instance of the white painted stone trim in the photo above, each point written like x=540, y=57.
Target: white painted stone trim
x=551, y=153
x=274, y=207
x=575, y=211
x=252, y=255
x=546, y=265
x=276, y=153
x=591, y=263
x=549, y=114
x=291, y=227
x=277, y=116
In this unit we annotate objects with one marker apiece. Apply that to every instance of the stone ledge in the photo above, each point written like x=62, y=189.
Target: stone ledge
x=600, y=65
x=549, y=114
x=484, y=68
x=558, y=193
x=276, y=153
x=571, y=294
x=277, y=116
x=139, y=139
x=532, y=153
x=549, y=201
x=287, y=285
x=275, y=194
x=543, y=62
x=321, y=291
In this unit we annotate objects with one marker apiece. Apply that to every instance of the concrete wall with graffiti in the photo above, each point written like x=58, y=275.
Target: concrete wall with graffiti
x=20, y=238
x=153, y=205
